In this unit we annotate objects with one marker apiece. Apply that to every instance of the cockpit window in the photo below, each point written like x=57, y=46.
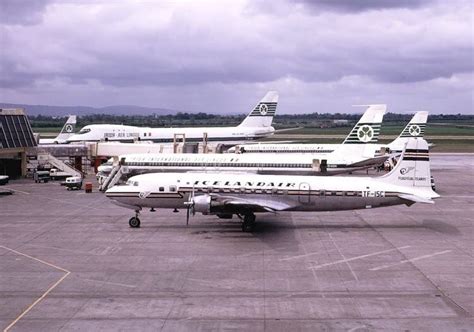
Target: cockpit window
x=84, y=131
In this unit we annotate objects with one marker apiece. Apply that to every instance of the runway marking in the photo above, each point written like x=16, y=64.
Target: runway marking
x=45, y=293
x=409, y=260
x=357, y=257
x=60, y=249
x=109, y=282
x=23, y=192
x=299, y=256
x=358, y=328
x=210, y=283
x=340, y=253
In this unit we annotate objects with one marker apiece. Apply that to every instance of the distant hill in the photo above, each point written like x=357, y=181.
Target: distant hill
x=86, y=110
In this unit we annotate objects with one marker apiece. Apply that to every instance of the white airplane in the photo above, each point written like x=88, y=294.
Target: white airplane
x=366, y=131
x=66, y=132
x=257, y=124
x=246, y=194
x=345, y=159
x=415, y=128
x=359, y=134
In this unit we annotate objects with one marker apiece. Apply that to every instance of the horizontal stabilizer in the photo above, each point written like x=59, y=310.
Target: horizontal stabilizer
x=416, y=199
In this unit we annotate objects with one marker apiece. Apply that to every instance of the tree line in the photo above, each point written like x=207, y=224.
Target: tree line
x=205, y=119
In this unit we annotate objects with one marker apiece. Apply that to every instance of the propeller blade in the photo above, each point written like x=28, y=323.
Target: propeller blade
x=190, y=205
x=187, y=216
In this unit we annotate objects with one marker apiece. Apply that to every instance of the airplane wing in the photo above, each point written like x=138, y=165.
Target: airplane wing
x=416, y=199
x=371, y=161
x=286, y=129
x=252, y=204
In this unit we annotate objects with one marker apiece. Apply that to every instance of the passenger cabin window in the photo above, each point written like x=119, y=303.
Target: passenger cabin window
x=161, y=189
x=172, y=188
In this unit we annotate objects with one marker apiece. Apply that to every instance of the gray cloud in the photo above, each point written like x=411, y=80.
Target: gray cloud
x=22, y=12
x=360, y=5
x=153, y=46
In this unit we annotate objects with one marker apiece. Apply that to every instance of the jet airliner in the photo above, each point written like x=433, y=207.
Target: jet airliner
x=359, y=135
x=66, y=132
x=256, y=125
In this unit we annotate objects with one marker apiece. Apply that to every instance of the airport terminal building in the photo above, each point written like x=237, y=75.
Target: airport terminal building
x=16, y=138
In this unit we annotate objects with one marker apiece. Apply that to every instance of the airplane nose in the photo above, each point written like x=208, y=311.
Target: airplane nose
x=109, y=192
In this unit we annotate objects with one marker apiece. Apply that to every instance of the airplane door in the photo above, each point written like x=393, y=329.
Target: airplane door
x=304, y=196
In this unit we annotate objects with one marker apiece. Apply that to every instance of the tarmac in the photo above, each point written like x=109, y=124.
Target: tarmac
x=69, y=261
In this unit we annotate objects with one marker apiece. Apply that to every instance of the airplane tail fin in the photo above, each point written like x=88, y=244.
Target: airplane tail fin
x=415, y=128
x=262, y=114
x=68, y=129
x=367, y=130
x=413, y=167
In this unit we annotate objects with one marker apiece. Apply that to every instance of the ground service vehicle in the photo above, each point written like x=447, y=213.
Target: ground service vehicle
x=73, y=182
x=41, y=176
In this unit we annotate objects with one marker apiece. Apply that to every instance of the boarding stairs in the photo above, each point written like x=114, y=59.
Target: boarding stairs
x=46, y=158
x=114, y=177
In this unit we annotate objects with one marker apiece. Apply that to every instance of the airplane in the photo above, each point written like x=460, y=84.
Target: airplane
x=415, y=128
x=246, y=194
x=346, y=158
x=366, y=131
x=256, y=125
x=66, y=132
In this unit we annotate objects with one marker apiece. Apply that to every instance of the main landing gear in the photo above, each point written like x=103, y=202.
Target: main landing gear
x=248, y=222
x=134, y=222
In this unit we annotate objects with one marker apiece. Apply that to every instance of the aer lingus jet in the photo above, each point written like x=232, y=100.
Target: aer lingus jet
x=66, y=132
x=246, y=194
x=257, y=124
x=366, y=131
x=346, y=158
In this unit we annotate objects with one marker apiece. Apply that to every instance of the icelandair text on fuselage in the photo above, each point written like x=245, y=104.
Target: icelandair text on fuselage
x=246, y=184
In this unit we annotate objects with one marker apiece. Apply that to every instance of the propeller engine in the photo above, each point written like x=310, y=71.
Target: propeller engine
x=195, y=204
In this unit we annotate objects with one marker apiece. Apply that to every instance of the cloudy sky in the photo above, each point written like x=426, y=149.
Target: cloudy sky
x=222, y=56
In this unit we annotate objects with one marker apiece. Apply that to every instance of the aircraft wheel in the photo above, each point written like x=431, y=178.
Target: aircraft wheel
x=247, y=227
x=248, y=223
x=134, y=222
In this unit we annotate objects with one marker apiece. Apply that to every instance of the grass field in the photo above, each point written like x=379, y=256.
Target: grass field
x=434, y=130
